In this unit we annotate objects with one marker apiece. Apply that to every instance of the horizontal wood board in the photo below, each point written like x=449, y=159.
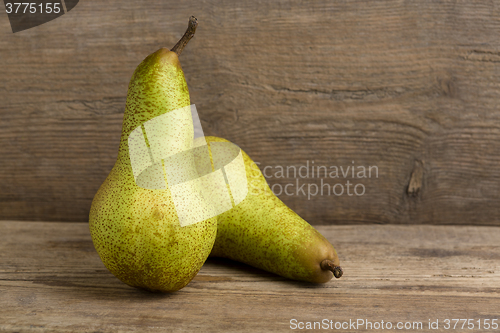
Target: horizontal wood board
x=52, y=280
x=411, y=87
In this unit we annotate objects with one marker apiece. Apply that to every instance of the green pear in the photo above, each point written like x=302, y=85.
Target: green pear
x=136, y=230
x=263, y=232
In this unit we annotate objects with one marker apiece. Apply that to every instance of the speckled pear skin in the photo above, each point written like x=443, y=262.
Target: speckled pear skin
x=263, y=232
x=135, y=230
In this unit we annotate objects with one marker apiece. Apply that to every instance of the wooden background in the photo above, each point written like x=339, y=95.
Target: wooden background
x=412, y=87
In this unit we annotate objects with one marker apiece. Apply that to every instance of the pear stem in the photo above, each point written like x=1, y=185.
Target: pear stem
x=330, y=266
x=193, y=23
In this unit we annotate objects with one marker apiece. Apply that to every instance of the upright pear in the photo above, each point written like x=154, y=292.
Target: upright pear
x=136, y=230
x=263, y=232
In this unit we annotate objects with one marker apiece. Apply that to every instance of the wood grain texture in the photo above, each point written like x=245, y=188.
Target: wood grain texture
x=52, y=280
x=363, y=83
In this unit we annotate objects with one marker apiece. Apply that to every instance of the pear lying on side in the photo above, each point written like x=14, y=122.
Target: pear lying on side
x=263, y=232
x=136, y=230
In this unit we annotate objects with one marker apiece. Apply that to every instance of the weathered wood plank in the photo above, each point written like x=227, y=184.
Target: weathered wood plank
x=52, y=280
x=385, y=83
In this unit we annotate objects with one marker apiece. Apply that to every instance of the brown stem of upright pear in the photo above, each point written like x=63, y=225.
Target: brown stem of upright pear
x=193, y=23
x=329, y=265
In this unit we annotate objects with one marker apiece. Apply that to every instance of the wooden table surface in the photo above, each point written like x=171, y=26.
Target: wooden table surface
x=51, y=279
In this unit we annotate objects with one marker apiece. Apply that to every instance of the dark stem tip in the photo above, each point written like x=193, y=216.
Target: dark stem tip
x=330, y=266
x=338, y=272
x=191, y=29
